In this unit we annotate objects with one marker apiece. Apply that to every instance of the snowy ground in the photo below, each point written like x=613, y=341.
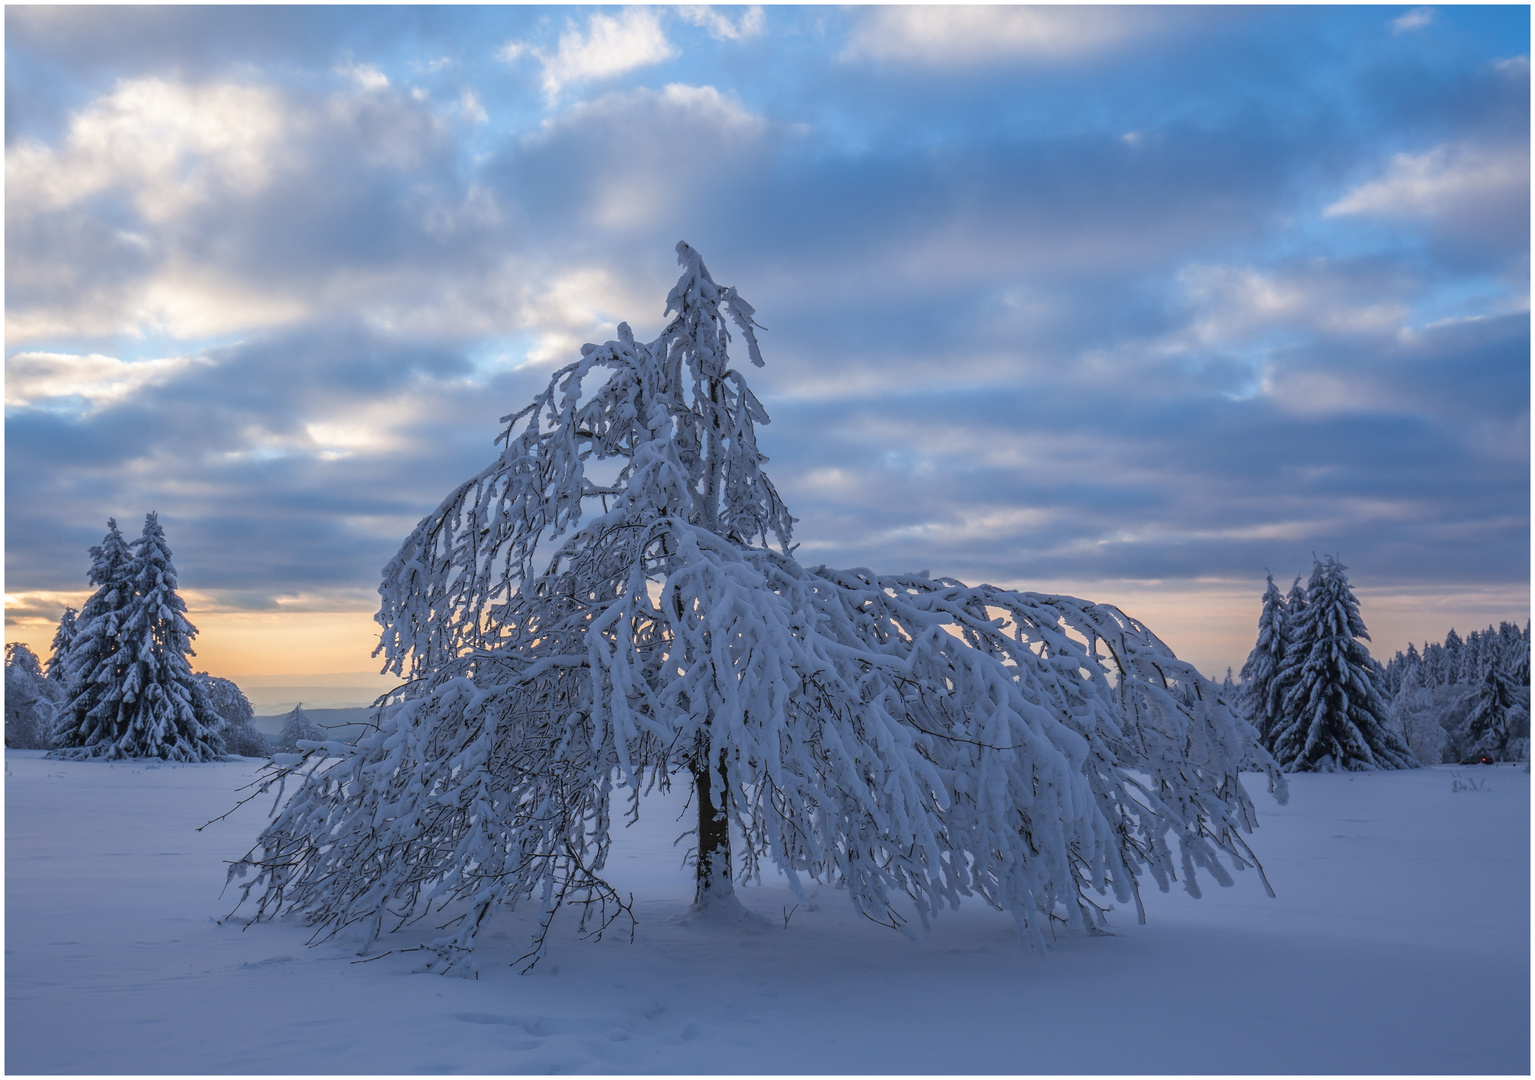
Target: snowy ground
x=1399, y=943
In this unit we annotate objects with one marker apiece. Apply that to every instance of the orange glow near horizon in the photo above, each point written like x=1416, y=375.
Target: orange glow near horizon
x=1211, y=624
x=235, y=644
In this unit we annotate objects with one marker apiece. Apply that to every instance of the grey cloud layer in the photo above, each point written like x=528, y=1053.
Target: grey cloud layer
x=1004, y=346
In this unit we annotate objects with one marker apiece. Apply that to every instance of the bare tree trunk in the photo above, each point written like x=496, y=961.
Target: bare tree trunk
x=714, y=882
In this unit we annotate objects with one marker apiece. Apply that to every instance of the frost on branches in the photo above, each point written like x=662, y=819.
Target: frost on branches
x=613, y=605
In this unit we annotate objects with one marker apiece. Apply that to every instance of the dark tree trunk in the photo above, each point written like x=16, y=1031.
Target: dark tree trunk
x=714, y=880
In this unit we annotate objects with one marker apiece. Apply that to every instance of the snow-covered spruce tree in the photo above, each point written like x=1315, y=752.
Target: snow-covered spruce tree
x=613, y=604
x=296, y=725
x=1258, y=700
x=63, y=638
x=1332, y=713
x=1499, y=715
x=237, y=720
x=31, y=700
x=147, y=703
x=88, y=666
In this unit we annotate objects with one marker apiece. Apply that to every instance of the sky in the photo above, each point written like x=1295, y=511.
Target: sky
x=1134, y=303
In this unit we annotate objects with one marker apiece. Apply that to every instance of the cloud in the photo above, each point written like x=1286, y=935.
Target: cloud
x=469, y=104
x=1450, y=179
x=611, y=46
x=950, y=36
x=579, y=305
x=1234, y=305
x=42, y=378
x=203, y=210
x=365, y=76
x=1416, y=19
x=719, y=25
x=282, y=461
x=1471, y=196
x=169, y=145
x=632, y=159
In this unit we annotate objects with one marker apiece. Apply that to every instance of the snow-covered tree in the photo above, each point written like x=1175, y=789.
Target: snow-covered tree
x=31, y=700
x=297, y=725
x=63, y=638
x=1499, y=715
x=237, y=720
x=1515, y=652
x=90, y=667
x=1411, y=665
x=146, y=702
x=1415, y=714
x=1451, y=658
x=1259, y=701
x=1332, y=714
x=613, y=605
x=1295, y=602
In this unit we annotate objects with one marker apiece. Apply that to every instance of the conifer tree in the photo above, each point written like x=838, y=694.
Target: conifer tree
x=1332, y=714
x=1499, y=716
x=147, y=701
x=1432, y=673
x=1295, y=602
x=89, y=668
x=297, y=725
x=1453, y=647
x=613, y=604
x=63, y=637
x=1259, y=701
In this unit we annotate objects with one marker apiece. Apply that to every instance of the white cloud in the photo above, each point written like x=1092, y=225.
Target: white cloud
x=36, y=378
x=172, y=145
x=469, y=105
x=719, y=26
x=1234, y=305
x=957, y=35
x=577, y=306
x=1447, y=179
x=366, y=76
x=610, y=46
x=1416, y=19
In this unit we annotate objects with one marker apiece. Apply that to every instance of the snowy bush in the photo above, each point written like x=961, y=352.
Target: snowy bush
x=613, y=604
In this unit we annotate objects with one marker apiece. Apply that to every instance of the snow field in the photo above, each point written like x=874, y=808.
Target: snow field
x=1399, y=943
